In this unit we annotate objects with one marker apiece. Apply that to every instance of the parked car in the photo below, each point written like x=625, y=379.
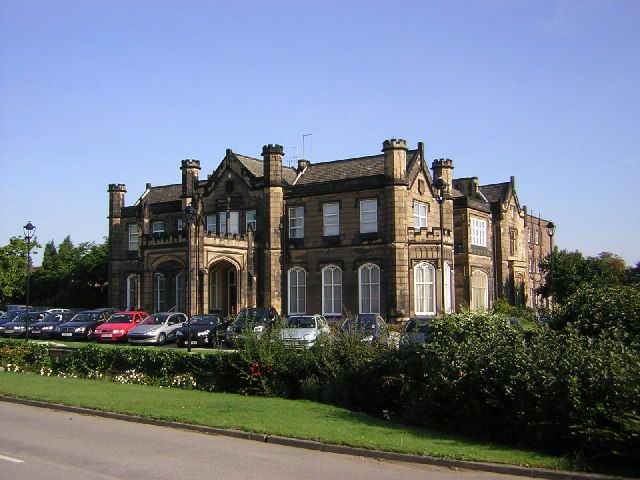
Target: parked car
x=370, y=327
x=7, y=317
x=303, y=331
x=258, y=320
x=81, y=326
x=206, y=330
x=18, y=326
x=158, y=329
x=44, y=328
x=119, y=324
x=416, y=331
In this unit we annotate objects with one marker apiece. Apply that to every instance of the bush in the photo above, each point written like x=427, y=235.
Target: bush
x=18, y=355
x=594, y=311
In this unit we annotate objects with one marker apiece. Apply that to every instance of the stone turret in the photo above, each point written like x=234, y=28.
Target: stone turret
x=443, y=168
x=190, y=171
x=272, y=158
x=116, y=198
x=395, y=158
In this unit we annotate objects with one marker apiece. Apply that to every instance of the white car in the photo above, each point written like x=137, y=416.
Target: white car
x=303, y=331
x=159, y=331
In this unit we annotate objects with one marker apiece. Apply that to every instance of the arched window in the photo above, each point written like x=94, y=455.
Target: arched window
x=424, y=275
x=159, y=283
x=180, y=292
x=297, y=290
x=232, y=280
x=214, y=300
x=369, y=280
x=447, y=288
x=132, y=292
x=479, y=290
x=331, y=290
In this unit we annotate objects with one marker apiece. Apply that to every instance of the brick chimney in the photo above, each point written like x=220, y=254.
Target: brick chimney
x=190, y=171
x=116, y=198
x=272, y=158
x=443, y=168
x=395, y=158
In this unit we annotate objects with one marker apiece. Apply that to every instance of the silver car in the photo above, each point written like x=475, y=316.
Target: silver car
x=303, y=331
x=159, y=331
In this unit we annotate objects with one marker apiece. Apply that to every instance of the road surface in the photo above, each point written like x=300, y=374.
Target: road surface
x=38, y=443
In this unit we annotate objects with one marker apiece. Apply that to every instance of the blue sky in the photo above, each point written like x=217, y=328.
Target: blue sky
x=99, y=92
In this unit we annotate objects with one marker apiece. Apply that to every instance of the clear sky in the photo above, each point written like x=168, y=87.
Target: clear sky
x=98, y=92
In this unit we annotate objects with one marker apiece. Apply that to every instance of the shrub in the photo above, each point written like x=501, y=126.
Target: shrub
x=18, y=355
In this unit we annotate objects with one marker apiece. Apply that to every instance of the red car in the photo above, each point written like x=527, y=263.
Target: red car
x=116, y=328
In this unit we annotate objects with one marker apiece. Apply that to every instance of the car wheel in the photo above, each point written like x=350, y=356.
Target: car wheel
x=162, y=339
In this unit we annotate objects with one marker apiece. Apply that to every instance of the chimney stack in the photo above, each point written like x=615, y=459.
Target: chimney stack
x=443, y=168
x=272, y=158
x=395, y=158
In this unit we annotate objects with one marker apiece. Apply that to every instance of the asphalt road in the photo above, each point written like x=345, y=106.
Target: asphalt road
x=43, y=444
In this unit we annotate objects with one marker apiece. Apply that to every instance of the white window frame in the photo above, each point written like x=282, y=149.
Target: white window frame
x=332, y=290
x=159, y=292
x=424, y=283
x=478, y=232
x=297, y=288
x=214, y=300
x=133, y=237
x=479, y=299
x=420, y=215
x=331, y=219
x=368, y=303
x=234, y=223
x=250, y=219
x=448, y=294
x=132, y=292
x=222, y=222
x=211, y=222
x=157, y=226
x=180, y=224
x=296, y=222
x=179, y=288
x=537, y=234
x=368, y=207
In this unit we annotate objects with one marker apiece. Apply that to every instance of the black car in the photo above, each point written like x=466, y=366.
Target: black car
x=258, y=320
x=416, y=331
x=7, y=317
x=83, y=324
x=369, y=327
x=206, y=330
x=44, y=328
x=18, y=326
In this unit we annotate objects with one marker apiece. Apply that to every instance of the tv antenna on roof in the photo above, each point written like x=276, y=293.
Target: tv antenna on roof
x=304, y=156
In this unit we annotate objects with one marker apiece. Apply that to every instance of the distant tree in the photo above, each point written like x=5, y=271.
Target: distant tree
x=571, y=270
x=633, y=275
x=13, y=269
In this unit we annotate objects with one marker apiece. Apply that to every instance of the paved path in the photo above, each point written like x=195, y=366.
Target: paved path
x=43, y=444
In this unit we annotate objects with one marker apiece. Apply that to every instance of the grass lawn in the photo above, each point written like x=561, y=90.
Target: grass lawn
x=290, y=418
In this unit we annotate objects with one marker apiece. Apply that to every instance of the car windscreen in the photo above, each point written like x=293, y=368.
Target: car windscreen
x=53, y=317
x=120, y=319
x=85, y=317
x=10, y=315
x=23, y=317
x=364, y=323
x=206, y=320
x=157, y=319
x=301, y=322
x=253, y=315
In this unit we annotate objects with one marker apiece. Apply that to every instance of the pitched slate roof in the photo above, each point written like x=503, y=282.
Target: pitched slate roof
x=256, y=167
x=495, y=192
x=162, y=193
x=345, y=169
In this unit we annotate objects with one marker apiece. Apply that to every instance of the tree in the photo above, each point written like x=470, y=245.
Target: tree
x=13, y=269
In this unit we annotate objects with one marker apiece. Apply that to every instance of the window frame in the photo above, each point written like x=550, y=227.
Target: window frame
x=300, y=273
x=157, y=231
x=365, y=225
x=208, y=222
x=248, y=222
x=371, y=267
x=478, y=232
x=335, y=289
x=424, y=304
x=418, y=217
x=328, y=227
x=485, y=298
x=135, y=234
x=292, y=219
x=233, y=225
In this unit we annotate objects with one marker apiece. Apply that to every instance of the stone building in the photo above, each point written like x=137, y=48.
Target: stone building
x=355, y=235
x=539, y=246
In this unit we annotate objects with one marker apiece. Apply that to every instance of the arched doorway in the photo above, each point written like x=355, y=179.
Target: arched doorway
x=224, y=288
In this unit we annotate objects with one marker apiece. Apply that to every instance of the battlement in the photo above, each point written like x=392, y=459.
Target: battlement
x=190, y=163
x=272, y=150
x=117, y=187
x=393, y=144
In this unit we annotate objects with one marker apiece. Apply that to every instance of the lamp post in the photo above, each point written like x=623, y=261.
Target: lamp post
x=441, y=186
x=189, y=214
x=29, y=231
x=551, y=230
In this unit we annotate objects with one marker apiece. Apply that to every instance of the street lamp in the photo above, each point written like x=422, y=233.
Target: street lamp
x=29, y=231
x=190, y=215
x=551, y=230
x=441, y=186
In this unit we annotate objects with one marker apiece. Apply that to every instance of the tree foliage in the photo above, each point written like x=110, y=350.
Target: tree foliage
x=13, y=269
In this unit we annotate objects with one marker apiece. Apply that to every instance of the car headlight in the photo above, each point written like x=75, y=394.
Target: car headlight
x=258, y=329
x=368, y=338
x=309, y=336
x=48, y=327
x=204, y=333
x=80, y=329
x=19, y=327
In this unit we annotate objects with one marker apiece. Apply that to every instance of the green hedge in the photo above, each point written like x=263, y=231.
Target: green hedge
x=562, y=392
